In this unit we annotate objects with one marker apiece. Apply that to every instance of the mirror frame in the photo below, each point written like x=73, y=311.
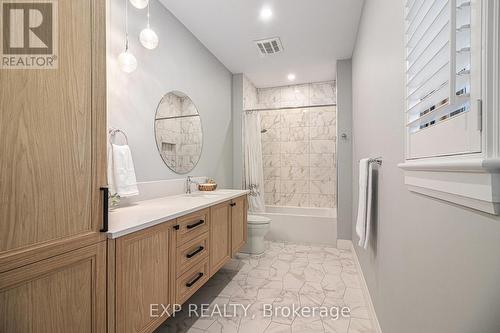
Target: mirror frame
x=201, y=125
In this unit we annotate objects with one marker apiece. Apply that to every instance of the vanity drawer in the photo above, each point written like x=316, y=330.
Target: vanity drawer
x=191, y=226
x=191, y=281
x=191, y=253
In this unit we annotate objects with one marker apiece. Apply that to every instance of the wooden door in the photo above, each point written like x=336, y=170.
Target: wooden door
x=53, y=146
x=142, y=279
x=65, y=293
x=238, y=224
x=220, y=236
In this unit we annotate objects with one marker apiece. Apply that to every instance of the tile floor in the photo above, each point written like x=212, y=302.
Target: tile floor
x=285, y=275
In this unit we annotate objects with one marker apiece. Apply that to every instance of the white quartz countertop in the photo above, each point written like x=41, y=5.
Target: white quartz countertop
x=144, y=214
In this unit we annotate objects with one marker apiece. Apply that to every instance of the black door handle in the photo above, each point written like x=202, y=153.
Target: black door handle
x=191, y=226
x=192, y=254
x=233, y=204
x=105, y=211
x=190, y=284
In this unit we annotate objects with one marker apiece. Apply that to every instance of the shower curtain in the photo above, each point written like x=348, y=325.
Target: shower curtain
x=254, y=171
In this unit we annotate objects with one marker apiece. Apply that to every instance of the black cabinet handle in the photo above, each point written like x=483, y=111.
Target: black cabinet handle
x=176, y=227
x=192, y=254
x=190, y=284
x=191, y=226
x=105, y=198
x=233, y=204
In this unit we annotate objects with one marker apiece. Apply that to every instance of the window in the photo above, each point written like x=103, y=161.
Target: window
x=452, y=101
x=443, y=65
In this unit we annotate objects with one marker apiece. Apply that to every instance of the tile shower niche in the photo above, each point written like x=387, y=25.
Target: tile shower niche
x=298, y=148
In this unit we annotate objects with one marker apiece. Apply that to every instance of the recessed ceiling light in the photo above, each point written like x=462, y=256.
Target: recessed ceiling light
x=266, y=13
x=291, y=77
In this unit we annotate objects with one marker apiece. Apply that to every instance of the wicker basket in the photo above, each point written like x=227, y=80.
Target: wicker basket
x=207, y=187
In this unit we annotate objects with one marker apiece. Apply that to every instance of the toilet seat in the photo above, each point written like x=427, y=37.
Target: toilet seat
x=256, y=219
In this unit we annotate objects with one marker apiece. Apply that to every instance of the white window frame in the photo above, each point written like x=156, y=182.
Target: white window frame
x=473, y=179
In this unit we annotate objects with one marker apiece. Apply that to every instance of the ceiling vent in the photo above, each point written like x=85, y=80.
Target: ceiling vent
x=269, y=46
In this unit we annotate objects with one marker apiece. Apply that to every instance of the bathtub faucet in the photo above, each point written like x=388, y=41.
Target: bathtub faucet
x=254, y=190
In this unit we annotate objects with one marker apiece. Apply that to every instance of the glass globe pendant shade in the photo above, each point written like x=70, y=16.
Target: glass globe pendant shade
x=148, y=38
x=127, y=62
x=139, y=4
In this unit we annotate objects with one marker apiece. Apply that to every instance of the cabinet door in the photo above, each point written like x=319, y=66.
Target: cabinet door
x=238, y=224
x=220, y=236
x=52, y=151
x=142, y=279
x=65, y=293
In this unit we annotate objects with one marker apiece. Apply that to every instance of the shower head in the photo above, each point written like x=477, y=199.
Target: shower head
x=263, y=131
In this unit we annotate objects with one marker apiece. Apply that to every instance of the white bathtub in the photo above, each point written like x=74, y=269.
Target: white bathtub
x=302, y=225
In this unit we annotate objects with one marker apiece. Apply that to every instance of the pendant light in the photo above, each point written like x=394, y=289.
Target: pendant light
x=126, y=60
x=139, y=4
x=148, y=38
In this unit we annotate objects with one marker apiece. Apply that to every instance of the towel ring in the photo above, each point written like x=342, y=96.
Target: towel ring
x=113, y=131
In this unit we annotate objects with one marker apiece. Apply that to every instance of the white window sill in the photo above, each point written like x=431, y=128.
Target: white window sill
x=473, y=183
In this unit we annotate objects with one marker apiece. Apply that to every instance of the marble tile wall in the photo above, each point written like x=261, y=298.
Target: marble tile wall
x=322, y=93
x=302, y=95
x=298, y=151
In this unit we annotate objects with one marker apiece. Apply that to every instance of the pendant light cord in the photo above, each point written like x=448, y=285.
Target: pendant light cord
x=126, y=25
x=149, y=2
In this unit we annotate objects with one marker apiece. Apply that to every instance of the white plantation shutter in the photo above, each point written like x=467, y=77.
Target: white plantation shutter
x=442, y=78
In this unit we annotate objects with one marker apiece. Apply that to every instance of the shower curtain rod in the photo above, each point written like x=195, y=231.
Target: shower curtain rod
x=291, y=107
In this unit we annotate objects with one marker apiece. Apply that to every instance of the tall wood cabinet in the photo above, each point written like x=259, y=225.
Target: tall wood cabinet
x=52, y=164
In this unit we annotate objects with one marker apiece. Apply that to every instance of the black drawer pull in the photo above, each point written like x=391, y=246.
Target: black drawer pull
x=191, y=226
x=192, y=254
x=105, y=208
x=176, y=227
x=190, y=284
x=233, y=204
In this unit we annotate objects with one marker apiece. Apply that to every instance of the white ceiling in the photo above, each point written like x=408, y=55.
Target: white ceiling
x=314, y=33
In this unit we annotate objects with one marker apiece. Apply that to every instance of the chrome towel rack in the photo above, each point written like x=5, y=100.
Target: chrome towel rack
x=114, y=131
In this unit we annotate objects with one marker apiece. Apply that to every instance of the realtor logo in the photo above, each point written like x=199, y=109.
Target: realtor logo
x=28, y=34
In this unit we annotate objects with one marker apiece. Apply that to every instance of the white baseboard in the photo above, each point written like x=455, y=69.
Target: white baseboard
x=348, y=245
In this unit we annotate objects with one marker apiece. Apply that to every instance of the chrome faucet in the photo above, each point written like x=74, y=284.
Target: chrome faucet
x=189, y=182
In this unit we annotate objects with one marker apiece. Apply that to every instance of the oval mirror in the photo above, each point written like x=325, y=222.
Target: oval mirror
x=178, y=132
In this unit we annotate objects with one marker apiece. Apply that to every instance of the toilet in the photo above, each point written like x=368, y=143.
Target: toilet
x=258, y=227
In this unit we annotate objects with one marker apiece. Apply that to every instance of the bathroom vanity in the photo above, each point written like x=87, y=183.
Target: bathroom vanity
x=161, y=251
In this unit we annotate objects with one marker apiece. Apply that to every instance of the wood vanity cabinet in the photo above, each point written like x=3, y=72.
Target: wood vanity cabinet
x=220, y=236
x=238, y=224
x=228, y=231
x=167, y=263
x=142, y=278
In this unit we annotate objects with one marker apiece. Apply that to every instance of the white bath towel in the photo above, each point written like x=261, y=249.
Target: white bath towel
x=121, y=172
x=363, y=223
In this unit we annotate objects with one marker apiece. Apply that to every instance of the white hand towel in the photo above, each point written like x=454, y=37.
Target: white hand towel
x=364, y=202
x=368, y=223
x=121, y=172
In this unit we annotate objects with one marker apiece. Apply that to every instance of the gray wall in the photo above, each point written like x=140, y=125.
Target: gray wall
x=433, y=267
x=182, y=63
x=237, y=131
x=344, y=149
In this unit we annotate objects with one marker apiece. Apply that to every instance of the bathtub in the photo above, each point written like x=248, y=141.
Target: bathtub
x=302, y=225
